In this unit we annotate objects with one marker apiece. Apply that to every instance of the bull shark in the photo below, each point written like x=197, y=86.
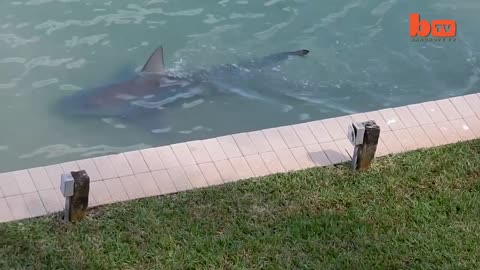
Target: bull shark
x=154, y=88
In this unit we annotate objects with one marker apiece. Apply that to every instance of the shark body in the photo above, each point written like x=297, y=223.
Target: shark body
x=154, y=89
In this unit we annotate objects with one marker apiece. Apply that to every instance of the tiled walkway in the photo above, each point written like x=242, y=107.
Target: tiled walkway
x=183, y=166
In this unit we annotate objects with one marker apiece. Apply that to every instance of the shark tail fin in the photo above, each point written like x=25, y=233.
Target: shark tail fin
x=300, y=52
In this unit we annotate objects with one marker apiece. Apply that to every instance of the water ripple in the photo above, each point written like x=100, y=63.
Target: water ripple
x=40, y=2
x=14, y=41
x=246, y=16
x=135, y=15
x=383, y=8
x=59, y=150
x=266, y=34
x=43, y=83
x=332, y=18
x=87, y=40
x=46, y=61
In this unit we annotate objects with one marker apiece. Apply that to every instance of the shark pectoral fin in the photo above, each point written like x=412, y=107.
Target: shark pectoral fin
x=155, y=63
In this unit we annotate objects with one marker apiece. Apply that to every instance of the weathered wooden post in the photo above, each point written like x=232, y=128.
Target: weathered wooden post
x=75, y=187
x=364, y=136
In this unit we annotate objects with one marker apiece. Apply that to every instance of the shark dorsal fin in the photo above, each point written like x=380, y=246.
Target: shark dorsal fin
x=155, y=63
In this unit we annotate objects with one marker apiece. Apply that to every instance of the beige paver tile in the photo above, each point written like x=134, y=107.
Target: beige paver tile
x=405, y=139
x=40, y=178
x=34, y=204
x=305, y=134
x=121, y=165
x=8, y=184
x=70, y=166
x=289, y=163
x=448, y=109
x=24, y=181
x=244, y=143
x=392, y=119
x=256, y=164
x=378, y=118
x=274, y=138
x=434, y=134
x=334, y=129
x=359, y=117
x=116, y=190
x=54, y=173
x=434, y=112
x=18, y=207
x=391, y=142
x=229, y=146
x=406, y=116
x=462, y=106
x=320, y=131
x=104, y=166
x=289, y=136
x=164, y=182
x=132, y=187
x=92, y=202
x=195, y=176
x=448, y=131
x=420, y=137
x=152, y=159
x=260, y=141
x=421, y=115
x=5, y=214
x=241, y=168
x=333, y=153
x=89, y=166
x=302, y=157
x=100, y=193
x=211, y=174
x=226, y=170
x=463, y=129
x=214, y=149
x=199, y=152
x=136, y=161
x=183, y=154
x=272, y=162
x=344, y=122
x=382, y=149
x=60, y=197
x=474, y=124
x=346, y=148
x=148, y=184
x=180, y=179
x=51, y=201
x=318, y=155
x=168, y=158
x=473, y=101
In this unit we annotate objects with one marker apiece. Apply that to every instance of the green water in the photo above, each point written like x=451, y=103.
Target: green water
x=361, y=59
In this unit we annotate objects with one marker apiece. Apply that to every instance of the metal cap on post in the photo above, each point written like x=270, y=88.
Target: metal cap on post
x=356, y=132
x=364, y=136
x=75, y=187
x=67, y=184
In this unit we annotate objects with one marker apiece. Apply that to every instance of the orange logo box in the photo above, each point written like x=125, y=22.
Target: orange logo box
x=438, y=28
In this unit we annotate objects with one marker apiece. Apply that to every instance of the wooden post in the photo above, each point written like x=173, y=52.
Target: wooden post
x=79, y=201
x=364, y=153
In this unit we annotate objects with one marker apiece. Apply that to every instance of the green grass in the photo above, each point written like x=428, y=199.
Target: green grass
x=416, y=210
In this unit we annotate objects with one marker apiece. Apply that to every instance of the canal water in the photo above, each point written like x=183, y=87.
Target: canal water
x=361, y=58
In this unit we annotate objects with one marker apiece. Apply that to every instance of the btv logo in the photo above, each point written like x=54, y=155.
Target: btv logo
x=438, y=28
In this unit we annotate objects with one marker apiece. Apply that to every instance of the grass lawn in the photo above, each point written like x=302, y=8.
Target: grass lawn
x=416, y=210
